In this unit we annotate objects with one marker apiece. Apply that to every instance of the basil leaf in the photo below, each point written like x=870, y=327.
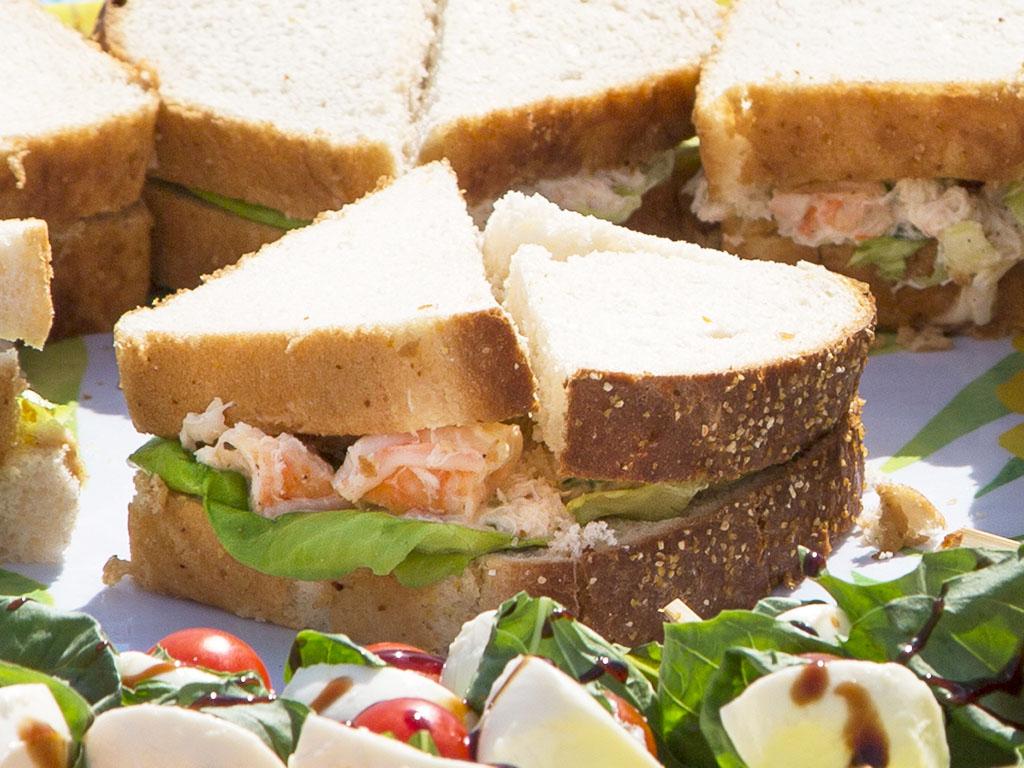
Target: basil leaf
x=424, y=742
x=647, y=660
x=538, y=626
x=15, y=585
x=978, y=740
x=260, y=214
x=887, y=254
x=694, y=651
x=311, y=647
x=652, y=502
x=277, y=723
x=244, y=686
x=776, y=606
x=68, y=646
x=312, y=546
x=76, y=710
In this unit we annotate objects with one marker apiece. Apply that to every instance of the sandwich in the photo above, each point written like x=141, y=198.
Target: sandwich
x=274, y=113
x=76, y=135
x=901, y=168
x=271, y=113
x=583, y=103
x=40, y=472
x=343, y=442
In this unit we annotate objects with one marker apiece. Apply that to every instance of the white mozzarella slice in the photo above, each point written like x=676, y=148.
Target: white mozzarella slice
x=153, y=736
x=135, y=665
x=466, y=652
x=829, y=622
x=31, y=723
x=818, y=715
x=539, y=717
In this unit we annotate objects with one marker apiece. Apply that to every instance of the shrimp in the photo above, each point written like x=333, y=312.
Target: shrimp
x=284, y=475
x=448, y=471
x=851, y=213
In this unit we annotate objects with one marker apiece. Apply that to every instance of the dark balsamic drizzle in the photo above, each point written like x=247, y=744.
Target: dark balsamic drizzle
x=333, y=691
x=547, y=630
x=814, y=564
x=811, y=684
x=918, y=641
x=17, y=603
x=606, y=666
x=864, y=733
x=215, y=699
x=805, y=628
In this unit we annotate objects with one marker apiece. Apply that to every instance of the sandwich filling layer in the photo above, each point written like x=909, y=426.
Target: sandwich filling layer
x=976, y=230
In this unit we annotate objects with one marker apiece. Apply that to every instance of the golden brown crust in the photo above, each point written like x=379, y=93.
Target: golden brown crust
x=734, y=546
x=783, y=136
x=192, y=238
x=555, y=137
x=62, y=177
x=11, y=385
x=905, y=307
x=439, y=371
x=297, y=175
x=717, y=426
x=100, y=270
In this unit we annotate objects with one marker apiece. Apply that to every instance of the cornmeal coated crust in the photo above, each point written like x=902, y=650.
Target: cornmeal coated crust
x=493, y=153
x=100, y=270
x=736, y=544
x=192, y=238
x=906, y=306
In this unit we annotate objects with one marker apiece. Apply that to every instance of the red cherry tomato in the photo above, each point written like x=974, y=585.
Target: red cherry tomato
x=409, y=657
x=214, y=650
x=630, y=717
x=404, y=717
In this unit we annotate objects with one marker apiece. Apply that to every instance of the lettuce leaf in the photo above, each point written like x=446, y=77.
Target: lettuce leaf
x=651, y=502
x=260, y=214
x=312, y=647
x=15, y=585
x=314, y=546
x=887, y=254
x=76, y=710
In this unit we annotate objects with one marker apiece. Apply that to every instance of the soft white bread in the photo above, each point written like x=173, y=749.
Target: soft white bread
x=377, y=318
x=76, y=131
x=525, y=89
x=100, y=270
x=654, y=367
x=26, y=309
x=799, y=92
x=731, y=548
x=300, y=106
x=192, y=238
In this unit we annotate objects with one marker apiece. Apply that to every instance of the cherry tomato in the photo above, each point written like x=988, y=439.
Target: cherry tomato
x=214, y=650
x=409, y=657
x=404, y=717
x=630, y=717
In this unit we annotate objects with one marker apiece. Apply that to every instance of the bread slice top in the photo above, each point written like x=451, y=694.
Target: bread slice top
x=26, y=308
x=330, y=73
x=798, y=92
x=54, y=81
x=559, y=78
x=377, y=318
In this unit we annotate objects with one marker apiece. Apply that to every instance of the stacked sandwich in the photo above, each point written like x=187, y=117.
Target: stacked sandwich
x=900, y=164
x=275, y=112
x=40, y=473
x=343, y=440
x=76, y=133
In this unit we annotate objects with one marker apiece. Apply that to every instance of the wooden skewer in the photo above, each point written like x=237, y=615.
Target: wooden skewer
x=679, y=612
x=972, y=537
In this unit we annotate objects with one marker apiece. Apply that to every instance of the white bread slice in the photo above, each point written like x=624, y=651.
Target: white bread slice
x=76, y=131
x=377, y=318
x=26, y=309
x=680, y=363
x=731, y=548
x=800, y=92
x=527, y=89
x=299, y=106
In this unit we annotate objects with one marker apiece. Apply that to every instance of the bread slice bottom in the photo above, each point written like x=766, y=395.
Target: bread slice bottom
x=734, y=546
x=100, y=270
x=192, y=238
x=905, y=306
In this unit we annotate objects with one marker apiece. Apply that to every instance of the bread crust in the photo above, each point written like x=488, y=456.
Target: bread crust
x=297, y=175
x=735, y=545
x=66, y=176
x=192, y=238
x=782, y=136
x=11, y=385
x=716, y=426
x=438, y=371
x=903, y=307
x=100, y=270
x=555, y=137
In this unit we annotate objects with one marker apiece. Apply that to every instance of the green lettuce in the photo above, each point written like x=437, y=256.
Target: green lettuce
x=888, y=255
x=652, y=502
x=311, y=647
x=313, y=546
x=249, y=211
x=15, y=585
x=965, y=250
